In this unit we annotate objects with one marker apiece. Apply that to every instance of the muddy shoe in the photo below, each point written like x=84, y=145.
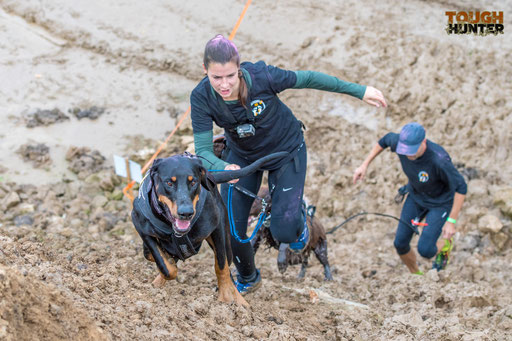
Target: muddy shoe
x=443, y=257
x=244, y=287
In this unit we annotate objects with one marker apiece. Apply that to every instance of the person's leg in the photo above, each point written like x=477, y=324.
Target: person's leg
x=429, y=243
x=409, y=259
x=243, y=253
x=287, y=222
x=404, y=235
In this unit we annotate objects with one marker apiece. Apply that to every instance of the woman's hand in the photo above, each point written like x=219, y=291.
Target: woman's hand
x=374, y=97
x=232, y=167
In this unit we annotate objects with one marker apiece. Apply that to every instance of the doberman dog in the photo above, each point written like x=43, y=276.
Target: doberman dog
x=178, y=207
x=317, y=241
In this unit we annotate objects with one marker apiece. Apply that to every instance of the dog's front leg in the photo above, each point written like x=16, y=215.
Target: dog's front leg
x=165, y=264
x=255, y=243
x=304, y=266
x=160, y=279
x=227, y=290
x=321, y=255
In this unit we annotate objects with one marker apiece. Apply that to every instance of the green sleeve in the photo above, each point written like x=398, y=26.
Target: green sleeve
x=322, y=81
x=203, y=144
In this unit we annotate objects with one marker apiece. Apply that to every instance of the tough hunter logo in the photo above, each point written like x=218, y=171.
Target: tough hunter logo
x=477, y=23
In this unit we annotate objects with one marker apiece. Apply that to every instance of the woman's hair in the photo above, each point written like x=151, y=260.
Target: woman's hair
x=221, y=50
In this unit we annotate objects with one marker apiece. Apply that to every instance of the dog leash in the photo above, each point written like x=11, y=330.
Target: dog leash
x=415, y=222
x=232, y=227
x=402, y=192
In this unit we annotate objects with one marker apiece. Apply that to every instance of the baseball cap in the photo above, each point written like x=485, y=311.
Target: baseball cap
x=411, y=136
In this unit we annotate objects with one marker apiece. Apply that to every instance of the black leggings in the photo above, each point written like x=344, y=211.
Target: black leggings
x=286, y=222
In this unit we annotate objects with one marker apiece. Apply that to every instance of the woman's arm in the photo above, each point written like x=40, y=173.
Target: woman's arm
x=203, y=144
x=325, y=82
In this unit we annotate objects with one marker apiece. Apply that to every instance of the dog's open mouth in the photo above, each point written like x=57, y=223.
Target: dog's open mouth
x=181, y=227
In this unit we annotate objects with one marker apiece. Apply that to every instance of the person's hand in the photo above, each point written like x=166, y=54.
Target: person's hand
x=448, y=230
x=359, y=173
x=232, y=167
x=374, y=97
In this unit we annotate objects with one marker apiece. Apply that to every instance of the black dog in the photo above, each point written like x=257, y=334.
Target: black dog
x=317, y=241
x=178, y=207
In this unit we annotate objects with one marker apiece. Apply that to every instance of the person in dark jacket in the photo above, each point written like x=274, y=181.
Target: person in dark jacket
x=436, y=192
x=242, y=99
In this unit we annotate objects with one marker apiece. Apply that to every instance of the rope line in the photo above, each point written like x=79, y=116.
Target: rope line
x=239, y=21
x=415, y=229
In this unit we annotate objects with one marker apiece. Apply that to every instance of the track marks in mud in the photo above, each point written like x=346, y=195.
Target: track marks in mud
x=139, y=53
x=31, y=26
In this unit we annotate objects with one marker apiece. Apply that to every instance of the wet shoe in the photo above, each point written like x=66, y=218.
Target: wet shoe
x=250, y=286
x=443, y=257
x=302, y=241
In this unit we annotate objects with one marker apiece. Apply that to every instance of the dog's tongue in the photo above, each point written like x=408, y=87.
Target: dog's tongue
x=182, y=224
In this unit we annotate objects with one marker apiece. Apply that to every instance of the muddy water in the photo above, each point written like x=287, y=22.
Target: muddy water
x=106, y=134
x=39, y=72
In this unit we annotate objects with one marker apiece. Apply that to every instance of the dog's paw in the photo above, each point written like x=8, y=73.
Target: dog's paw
x=159, y=281
x=240, y=300
x=230, y=294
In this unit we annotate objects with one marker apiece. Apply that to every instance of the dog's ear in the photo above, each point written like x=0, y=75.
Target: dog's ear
x=154, y=169
x=207, y=180
x=154, y=165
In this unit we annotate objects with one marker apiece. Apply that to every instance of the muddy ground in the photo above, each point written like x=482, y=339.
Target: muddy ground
x=83, y=81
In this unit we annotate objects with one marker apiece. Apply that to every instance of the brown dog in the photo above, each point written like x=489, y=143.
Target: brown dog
x=317, y=240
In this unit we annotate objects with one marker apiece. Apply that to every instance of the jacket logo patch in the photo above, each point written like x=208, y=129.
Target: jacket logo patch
x=423, y=176
x=257, y=107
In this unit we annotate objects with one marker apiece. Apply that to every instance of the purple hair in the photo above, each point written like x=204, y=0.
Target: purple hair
x=220, y=50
